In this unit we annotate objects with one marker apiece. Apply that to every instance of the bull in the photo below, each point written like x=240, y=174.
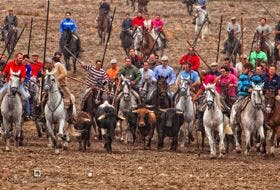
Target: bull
x=171, y=120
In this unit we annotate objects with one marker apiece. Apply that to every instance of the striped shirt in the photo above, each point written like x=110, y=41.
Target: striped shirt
x=95, y=76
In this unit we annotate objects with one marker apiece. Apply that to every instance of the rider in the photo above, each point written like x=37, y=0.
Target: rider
x=229, y=64
x=264, y=28
x=68, y=24
x=138, y=21
x=136, y=60
x=245, y=86
x=96, y=76
x=127, y=23
x=132, y=73
x=201, y=4
x=214, y=69
x=153, y=61
x=16, y=66
x=191, y=58
x=157, y=25
x=146, y=74
x=10, y=20
x=36, y=65
x=166, y=71
x=257, y=54
x=272, y=80
x=113, y=71
x=60, y=74
x=147, y=22
x=28, y=68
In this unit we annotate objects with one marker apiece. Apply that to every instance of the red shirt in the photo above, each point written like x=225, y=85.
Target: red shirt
x=12, y=66
x=138, y=21
x=193, y=59
x=210, y=79
x=36, y=67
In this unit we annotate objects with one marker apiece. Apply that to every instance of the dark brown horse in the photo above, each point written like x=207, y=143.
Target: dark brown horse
x=272, y=104
x=189, y=4
x=148, y=45
x=103, y=26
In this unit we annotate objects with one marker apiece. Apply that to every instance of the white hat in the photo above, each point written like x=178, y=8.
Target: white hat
x=214, y=64
x=164, y=58
x=113, y=61
x=48, y=60
x=233, y=18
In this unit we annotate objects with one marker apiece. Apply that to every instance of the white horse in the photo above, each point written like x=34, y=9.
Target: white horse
x=138, y=39
x=159, y=42
x=55, y=113
x=188, y=107
x=202, y=20
x=11, y=110
x=213, y=119
x=252, y=118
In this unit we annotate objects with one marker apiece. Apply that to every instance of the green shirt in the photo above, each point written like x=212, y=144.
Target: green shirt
x=254, y=56
x=132, y=73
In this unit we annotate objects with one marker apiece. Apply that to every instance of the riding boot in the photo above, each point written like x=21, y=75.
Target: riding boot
x=226, y=109
x=3, y=35
x=200, y=121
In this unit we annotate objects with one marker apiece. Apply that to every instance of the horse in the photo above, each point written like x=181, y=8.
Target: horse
x=126, y=102
x=159, y=96
x=232, y=46
x=213, y=119
x=272, y=117
x=10, y=37
x=126, y=41
x=142, y=5
x=138, y=39
x=157, y=36
x=148, y=45
x=202, y=20
x=103, y=26
x=189, y=4
x=11, y=110
x=187, y=106
x=266, y=46
x=277, y=51
x=70, y=42
x=55, y=113
x=252, y=119
x=145, y=89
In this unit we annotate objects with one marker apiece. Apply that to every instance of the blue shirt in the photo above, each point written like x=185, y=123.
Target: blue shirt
x=68, y=24
x=127, y=24
x=201, y=2
x=28, y=73
x=193, y=75
x=245, y=83
x=271, y=84
x=166, y=72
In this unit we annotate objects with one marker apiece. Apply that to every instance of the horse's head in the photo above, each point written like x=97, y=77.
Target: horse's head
x=210, y=95
x=269, y=101
x=162, y=86
x=231, y=34
x=66, y=36
x=126, y=87
x=257, y=95
x=185, y=86
x=14, y=81
x=145, y=88
x=49, y=80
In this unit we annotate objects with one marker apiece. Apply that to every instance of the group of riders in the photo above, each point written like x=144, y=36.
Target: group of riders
x=233, y=81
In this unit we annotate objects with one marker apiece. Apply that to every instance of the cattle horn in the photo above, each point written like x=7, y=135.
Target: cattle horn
x=134, y=111
x=163, y=110
x=121, y=117
x=149, y=106
x=179, y=112
x=73, y=132
x=101, y=117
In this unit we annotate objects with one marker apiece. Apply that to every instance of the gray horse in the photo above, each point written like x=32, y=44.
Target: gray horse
x=138, y=39
x=10, y=37
x=202, y=20
x=127, y=102
x=11, y=109
x=55, y=112
x=160, y=44
x=188, y=107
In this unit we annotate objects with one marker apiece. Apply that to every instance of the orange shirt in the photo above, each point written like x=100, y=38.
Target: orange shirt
x=112, y=73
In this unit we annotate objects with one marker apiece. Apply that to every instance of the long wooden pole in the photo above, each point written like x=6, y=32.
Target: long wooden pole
x=267, y=11
x=220, y=32
x=242, y=37
x=30, y=35
x=109, y=35
x=45, y=47
x=203, y=60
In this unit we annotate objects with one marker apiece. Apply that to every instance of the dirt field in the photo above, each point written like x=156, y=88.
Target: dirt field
x=129, y=167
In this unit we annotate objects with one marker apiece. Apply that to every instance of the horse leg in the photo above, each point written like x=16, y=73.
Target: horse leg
x=182, y=135
x=248, y=141
x=18, y=133
x=222, y=137
x=271, y=140
x=52, y=138
x=174, y=143
x=7, y=133
x=190, y=132
x=262, y=139
x=211, y=142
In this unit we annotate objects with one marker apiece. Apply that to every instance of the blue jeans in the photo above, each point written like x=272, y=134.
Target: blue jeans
x=23, y=93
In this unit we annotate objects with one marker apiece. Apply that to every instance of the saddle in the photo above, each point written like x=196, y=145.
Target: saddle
x=243, y=104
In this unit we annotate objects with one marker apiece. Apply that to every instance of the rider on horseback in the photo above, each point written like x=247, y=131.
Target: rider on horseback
x=157, y=25
x=16, y=66
x=257, y=55
x=201, y=4
x=96, y=78
x=138, y=21
x=146, y=74
x=127, y=24
x=113, y=71
x=166, y=71
x=191, y=58
x=68, y=24
x=10, y=20
x=264, y=29
x=272, y=80
x=104, y=8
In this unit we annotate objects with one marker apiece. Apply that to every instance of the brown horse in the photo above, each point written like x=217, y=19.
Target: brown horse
x=148, y=46
x=272, y=104
x=266, y=46
x=103, y=26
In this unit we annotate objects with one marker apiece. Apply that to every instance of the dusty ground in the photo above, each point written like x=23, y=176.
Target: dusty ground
x=130, y=167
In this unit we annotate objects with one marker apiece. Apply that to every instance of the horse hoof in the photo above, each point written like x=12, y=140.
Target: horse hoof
x=56, y=151
x=182, y=145
x=223, y=150
x=246, y=153
x=212, y=156
x=238, y=150
x=65, y=146
x=221, y=156
x=50, y=145
x=7, y=149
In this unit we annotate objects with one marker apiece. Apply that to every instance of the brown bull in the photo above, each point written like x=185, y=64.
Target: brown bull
x=146, y=122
